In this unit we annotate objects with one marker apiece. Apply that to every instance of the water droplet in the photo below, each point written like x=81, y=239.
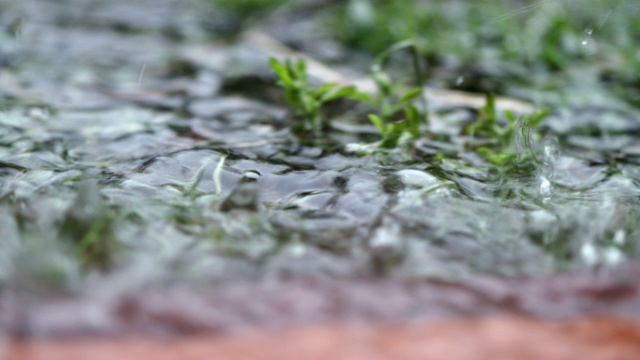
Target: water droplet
x=619, y=237
x=251, y=176
x=589, y=254
x=612, y=256
x=587, y=34
x=38, y=113
x=459, y=80
x=297, y=250
x=545, y=189
x=550, y=153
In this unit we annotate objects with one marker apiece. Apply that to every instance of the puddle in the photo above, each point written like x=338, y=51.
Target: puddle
x=128, y=151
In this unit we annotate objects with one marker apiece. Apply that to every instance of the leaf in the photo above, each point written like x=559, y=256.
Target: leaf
x=510, y=115
x=407, y=43
x=308, y=106
x=383, y=82
x=377, y=122
x=344, y=92
x=361, y=96
x=281, y=72
x=300, y=69
x=500, y=159
x=410, y=95
x=412, y=117
x=536, y=117
x=488, y=115
x=322, y=90
x=392, y=135
x=486, y=124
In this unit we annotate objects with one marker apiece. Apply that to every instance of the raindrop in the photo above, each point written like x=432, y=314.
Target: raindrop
x=545, y=189
x=619, y=237
x=612, y=256
x=251, y=176
x=587, y=34
x=141, y=75
x=38, y=113
x=589, y=254
x=459, y=80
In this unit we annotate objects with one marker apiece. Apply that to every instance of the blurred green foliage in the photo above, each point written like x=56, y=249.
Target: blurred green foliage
x=247, y=6
x=518, y=40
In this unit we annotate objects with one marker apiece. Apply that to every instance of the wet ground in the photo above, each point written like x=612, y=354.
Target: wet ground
x=150, y=181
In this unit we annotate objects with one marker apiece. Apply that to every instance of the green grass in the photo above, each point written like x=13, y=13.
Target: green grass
x=392, y=100
x=502, y=136
x=307, y=101
x=491, y=135
x=494, y=44
x=395, y=99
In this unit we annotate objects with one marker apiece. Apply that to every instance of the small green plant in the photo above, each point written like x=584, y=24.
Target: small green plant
x=396, y=116
x=389, y=107
x=500, y=138
x=306, y=100
x=394, y=99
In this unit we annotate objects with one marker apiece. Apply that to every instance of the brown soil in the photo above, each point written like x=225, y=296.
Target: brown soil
x=494, y=338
